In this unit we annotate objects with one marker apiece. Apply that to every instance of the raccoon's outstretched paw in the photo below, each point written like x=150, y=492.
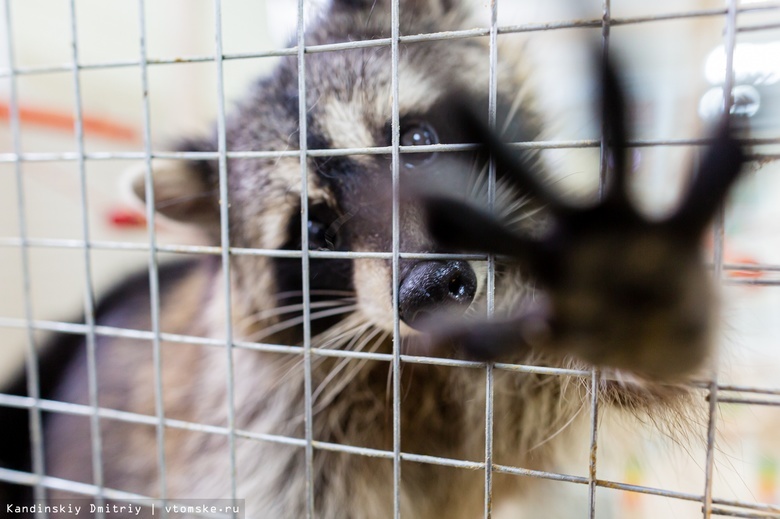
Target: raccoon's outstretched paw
x=625, y=291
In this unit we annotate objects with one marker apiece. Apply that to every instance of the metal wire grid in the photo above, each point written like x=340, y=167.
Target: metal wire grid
x=719, y=237
x=36, y=405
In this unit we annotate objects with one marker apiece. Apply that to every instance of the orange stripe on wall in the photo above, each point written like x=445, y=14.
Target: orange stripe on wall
x=62, y=121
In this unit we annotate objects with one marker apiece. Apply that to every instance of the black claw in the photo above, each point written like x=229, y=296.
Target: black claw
x=717, y=171
x=615, y=133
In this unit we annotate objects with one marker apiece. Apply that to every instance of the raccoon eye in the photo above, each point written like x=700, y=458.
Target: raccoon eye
x=418, y=133
x=317, y=234
x=323, y=234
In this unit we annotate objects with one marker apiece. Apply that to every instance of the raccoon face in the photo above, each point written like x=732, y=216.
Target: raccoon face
x=350, y=205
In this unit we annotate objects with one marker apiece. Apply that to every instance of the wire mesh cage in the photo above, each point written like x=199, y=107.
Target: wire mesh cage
x=111, y=85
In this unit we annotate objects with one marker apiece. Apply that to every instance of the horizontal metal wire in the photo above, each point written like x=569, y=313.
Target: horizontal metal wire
x=68, y=408
x=110, y=331
x=747, y=401
x=66, y=485
x=749, y=389
x=56, y=243
x=583, y=480
x=749, y=515
x=59, y=243
x=772, y=509
x=752, y=282
x=69, y=156
x=386, y=42
x=213, y=250
x=733, y=513
x=759, y=27
x=752, y=267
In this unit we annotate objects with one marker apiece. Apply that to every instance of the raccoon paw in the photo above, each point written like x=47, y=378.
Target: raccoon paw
x=623, y=291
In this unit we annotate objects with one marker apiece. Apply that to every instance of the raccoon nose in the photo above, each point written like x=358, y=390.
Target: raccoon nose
x=432, y=286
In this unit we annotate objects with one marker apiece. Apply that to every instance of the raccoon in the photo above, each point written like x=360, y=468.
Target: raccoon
x=442, y=412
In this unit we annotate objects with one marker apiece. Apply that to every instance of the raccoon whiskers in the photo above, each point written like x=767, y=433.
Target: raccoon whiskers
x=287, y=309
x=510, y=207
x=354, y=333
x=350, y=328
x=513, y=110
x=478, y=180
x=562, y=428
x=335, y=371
x=519, y=211
x=364, y=338
x=295, y=321
x=315, y=292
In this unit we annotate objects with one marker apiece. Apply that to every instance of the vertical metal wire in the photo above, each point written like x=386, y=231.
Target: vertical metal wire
x=594, y=429
x=307, y=376
x=154, y=288
x=596, y=374
x=89, y=296
x=718, y=236
x=395, y=142
x=491, y=274
x=604, y=150
x=224, y=223
x=31, y=368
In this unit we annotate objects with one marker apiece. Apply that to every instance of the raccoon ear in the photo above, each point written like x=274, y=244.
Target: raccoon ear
x=184, y=190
